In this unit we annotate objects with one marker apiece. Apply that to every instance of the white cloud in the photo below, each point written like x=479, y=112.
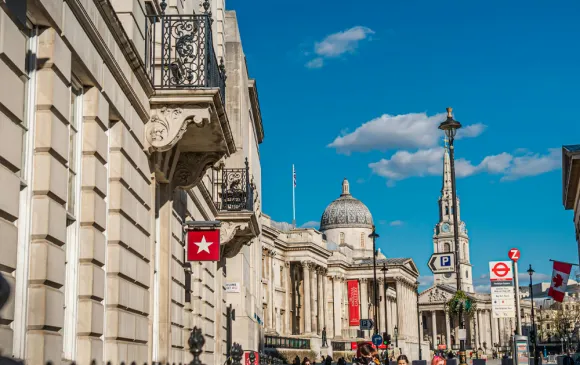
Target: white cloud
x=484, y=288
x=311, y=224
x=427, y=162
x=396, y=223
x=338, y=44
x=315, y=63
x=426, y=280
x=388, y=132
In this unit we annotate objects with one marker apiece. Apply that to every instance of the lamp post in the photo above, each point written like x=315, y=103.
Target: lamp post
x=385, y=287
x=396, y=337
x=418, y=322
x=450, y=127
x=533, y=337
x=374, y=236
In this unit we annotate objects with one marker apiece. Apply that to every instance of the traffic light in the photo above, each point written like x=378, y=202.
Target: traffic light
x=386, y=338
x=532, y=337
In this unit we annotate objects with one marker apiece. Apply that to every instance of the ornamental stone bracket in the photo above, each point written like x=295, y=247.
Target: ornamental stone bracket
x=237, y=229
x=187, y=133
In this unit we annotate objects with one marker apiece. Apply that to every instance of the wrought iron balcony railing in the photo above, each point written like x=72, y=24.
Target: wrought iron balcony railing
x=276, y=342
x=234, y=189
x=179, y=52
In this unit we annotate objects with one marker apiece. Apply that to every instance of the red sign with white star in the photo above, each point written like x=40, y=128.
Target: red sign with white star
x=203, y=245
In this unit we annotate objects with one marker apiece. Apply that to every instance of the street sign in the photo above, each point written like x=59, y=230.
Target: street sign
x=366, y=324
x=377, y=340
x=440, y=263
x=500, y=271
x=502, y=289
x=514, y=254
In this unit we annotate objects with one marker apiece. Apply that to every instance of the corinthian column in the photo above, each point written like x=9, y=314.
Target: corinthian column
x=288, y=298
x=271, y=293
x=337, y=301
x=447, y=330
x=381, y=304
x=307, y=310
x=324, y=297
x=320, y=323
x=400, y=307
x=313, y=303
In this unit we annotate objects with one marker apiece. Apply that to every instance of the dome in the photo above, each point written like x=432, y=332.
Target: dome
x=346, y=212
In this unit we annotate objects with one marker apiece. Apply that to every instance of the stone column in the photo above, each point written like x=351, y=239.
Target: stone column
x=271, y=309
x=488, y=330
x=447, y=330
x=477, y=329
x=319, y=300
x=382, y=314
x=400, y=307
x=494, y=332
x=364, y=299
x=288, y=298
x=434, y=328
x=313, y=303
x=307, y=318
x=324, y=298
x=337, y=299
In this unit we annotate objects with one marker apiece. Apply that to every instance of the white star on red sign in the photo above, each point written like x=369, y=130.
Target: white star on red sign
x=203, y=245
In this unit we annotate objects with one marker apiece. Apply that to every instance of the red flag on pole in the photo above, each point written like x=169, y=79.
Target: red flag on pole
x=560, y=275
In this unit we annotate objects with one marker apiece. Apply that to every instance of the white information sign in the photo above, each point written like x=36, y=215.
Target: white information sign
x=232, y=287
x=502, y=289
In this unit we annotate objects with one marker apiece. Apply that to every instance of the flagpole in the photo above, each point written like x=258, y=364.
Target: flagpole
x=293, y=197
x=567, y=263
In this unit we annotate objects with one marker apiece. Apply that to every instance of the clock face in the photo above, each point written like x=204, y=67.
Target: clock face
x=445, y=227
x=447, y=275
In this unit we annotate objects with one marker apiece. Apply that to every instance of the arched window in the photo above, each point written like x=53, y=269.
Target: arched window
x=446, y=247
x=362, y=240
x=466, y=274
x=341, y=238
x=446, y=210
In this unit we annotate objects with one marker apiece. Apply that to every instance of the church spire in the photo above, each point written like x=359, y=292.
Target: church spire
x=446, y=186
x=345, y=187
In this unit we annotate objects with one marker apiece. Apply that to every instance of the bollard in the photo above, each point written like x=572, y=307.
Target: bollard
x=237, y=353
x=479, y=361
x=196, y=342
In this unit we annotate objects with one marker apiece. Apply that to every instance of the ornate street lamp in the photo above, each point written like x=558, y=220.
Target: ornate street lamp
x=533, y=332
x=374, y=237
x=385, y=287
x=450, y=127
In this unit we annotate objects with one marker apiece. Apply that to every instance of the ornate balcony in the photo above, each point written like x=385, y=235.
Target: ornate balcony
x=189, y=130
x=234, y=197
x=179, y=53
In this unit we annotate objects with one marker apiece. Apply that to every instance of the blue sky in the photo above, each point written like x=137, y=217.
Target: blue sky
x=357, y=91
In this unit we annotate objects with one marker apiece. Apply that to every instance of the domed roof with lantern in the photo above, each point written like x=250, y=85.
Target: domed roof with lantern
x=346, y=212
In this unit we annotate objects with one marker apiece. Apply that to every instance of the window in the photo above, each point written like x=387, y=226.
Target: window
x=446, y=247
x=73, y=149
x=282, y=281
x=466, y=274
x=362, y=240
x=341, y=238
x=446, y=210
x=73, y=212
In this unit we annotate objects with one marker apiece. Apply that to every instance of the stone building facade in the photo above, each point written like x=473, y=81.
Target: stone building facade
x=306, y=276
x=117, y=127
x=571, y=185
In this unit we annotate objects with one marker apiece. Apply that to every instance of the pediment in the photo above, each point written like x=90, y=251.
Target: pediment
x=435, y=294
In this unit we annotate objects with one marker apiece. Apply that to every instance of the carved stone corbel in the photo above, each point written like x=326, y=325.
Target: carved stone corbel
x=233, y=236
x=190, y=168
x=168, y=124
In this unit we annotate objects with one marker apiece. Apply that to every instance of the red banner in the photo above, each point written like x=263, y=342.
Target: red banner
x=353, y=303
